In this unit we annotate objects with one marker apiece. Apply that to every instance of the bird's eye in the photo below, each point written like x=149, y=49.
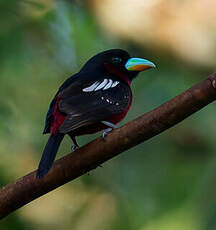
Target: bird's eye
x=116, y=60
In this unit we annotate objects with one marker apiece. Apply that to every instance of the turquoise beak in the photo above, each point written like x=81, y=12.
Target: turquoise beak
x=138, y=64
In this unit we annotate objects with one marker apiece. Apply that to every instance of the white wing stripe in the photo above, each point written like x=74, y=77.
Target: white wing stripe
x=105, y=84
x=91, y=87
x=102, y=84
x=115, y=83
x=108, y=85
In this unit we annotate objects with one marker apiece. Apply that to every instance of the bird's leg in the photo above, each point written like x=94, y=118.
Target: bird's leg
x=111, y=127
x=109, y=124
x=75, y=144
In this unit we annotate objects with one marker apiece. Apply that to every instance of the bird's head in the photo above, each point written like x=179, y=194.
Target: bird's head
x=117, y=62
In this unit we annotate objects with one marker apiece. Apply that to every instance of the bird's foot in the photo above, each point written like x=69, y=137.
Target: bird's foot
x=105, y=133
x=74, y=147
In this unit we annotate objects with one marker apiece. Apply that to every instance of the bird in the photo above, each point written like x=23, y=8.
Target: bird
x=94, y=99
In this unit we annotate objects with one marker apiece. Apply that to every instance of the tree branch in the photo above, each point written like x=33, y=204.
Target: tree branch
x=28, y=188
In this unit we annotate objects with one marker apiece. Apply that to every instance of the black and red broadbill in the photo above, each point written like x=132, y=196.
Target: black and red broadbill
x=94, y=99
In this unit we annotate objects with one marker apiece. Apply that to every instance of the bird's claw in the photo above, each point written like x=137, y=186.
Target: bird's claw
x=105, y=133
x=74, y=148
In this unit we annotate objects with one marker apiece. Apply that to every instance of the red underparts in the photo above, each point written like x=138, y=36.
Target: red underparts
x=58, y=118
x=118, y=117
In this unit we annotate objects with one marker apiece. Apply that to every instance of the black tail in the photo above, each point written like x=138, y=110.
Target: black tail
x=49, y=154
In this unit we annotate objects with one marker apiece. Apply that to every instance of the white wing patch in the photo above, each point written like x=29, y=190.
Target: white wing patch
x=102, y=84
x=91, y=87
x=105, y=84
x=115, y=83
x=108, y=85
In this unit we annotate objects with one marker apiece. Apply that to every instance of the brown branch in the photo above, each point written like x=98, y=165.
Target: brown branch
x=28, y=188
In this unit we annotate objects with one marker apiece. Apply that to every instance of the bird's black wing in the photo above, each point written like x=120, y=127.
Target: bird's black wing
x=89, y=102
x=49, y=115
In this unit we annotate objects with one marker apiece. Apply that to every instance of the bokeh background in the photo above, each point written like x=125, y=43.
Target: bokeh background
x=167, y=183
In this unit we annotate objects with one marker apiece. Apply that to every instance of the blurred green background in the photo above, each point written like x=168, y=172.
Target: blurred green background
x=167, y=183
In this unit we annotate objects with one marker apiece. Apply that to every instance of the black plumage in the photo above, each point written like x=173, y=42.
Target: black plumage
x=99, y=92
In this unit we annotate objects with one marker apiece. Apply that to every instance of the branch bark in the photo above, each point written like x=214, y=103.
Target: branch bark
x=73, y=165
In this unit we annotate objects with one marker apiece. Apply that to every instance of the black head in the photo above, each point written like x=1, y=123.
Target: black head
x=117, y=61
